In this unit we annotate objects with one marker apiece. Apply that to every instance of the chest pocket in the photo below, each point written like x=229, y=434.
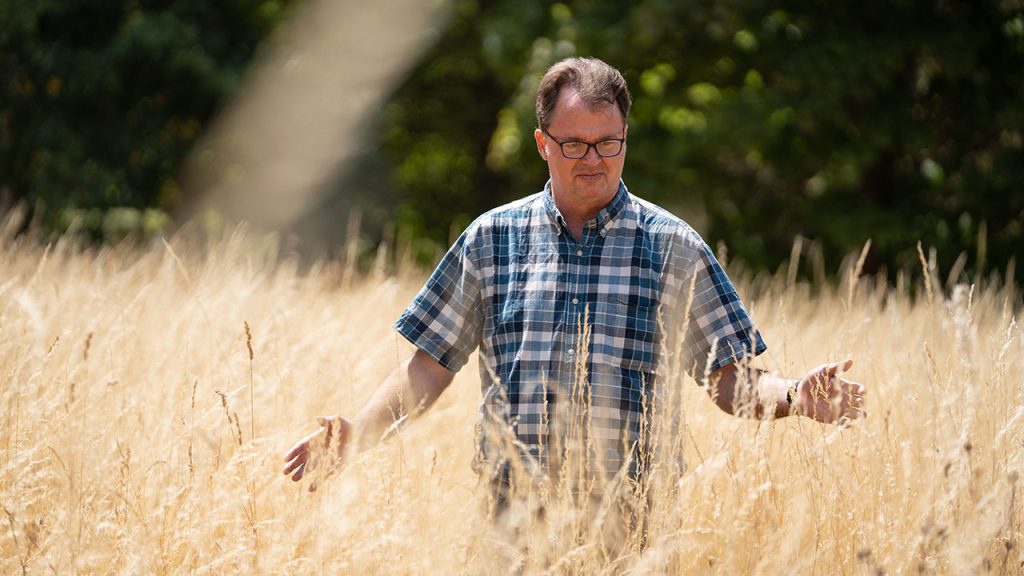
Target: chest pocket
x=625, y=334
x=536, y=273
x=528, y=302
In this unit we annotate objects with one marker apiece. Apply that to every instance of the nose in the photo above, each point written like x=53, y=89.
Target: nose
x=591, y=157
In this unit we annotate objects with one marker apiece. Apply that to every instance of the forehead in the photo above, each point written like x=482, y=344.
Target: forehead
x=573, y=118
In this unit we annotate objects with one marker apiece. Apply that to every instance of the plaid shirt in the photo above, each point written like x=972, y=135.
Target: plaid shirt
x=572, y=331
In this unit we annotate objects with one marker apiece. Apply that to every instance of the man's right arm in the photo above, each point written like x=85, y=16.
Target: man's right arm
x=408, y=391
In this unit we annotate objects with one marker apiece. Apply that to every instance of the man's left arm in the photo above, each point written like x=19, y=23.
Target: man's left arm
x=822, y=394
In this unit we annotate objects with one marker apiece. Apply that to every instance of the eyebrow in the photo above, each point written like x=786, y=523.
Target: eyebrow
x=612, y=136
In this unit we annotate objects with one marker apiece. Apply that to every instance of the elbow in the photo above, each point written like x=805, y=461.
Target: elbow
x=721, y=387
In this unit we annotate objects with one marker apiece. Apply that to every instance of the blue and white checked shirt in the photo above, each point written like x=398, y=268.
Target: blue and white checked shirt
x=543, y=307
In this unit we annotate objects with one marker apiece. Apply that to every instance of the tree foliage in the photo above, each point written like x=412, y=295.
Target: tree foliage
x=838, y=122
x=834, y=121
x=101, y=101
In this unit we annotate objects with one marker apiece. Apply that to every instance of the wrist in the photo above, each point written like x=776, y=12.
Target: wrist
x=793, y=398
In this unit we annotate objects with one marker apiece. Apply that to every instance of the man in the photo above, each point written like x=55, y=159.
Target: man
x=579, y=298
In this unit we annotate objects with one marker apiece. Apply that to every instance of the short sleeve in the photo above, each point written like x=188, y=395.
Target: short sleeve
x=719, y=330
x=445, y=318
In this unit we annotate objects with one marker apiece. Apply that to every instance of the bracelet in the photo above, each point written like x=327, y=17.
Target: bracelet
x=791, y=393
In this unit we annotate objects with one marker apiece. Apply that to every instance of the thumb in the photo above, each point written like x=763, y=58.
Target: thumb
x=334, y=427
x=834, y=368
x=327, y=424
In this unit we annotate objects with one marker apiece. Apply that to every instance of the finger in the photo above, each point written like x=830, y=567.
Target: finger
x=300, y=471
x=855, y=387
x=856, y=408
x=327, y=422
x=297, y=450
x=835, y=368
x=293, y=464
x=858, y=397
x=851, y=418
x=852, y=391
x=852, y=411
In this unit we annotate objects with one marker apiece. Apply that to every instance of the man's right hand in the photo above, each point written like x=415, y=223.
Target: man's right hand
x=320, y=452
x=411, y=388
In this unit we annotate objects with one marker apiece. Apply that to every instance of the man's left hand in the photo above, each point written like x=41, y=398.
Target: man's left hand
x=826, y=397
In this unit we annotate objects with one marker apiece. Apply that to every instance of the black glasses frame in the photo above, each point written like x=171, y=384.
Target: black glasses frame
x=594, y=145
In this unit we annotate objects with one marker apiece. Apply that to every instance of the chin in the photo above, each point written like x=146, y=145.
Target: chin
x=599, y=189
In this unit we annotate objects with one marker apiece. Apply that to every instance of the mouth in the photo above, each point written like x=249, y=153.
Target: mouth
x=590, y=177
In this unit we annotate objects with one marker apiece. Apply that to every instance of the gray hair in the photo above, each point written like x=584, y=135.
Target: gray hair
x=596, y=82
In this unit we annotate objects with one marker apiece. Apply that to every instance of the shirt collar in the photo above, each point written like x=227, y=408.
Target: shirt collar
x=603, y=219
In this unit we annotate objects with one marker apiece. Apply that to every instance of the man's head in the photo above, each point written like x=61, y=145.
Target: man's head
x=596, y=82
x=582, y=105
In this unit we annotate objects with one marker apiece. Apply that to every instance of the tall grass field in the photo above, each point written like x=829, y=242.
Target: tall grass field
x=149, y=394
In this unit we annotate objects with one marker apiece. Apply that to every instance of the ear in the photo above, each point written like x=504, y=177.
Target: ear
x=542, y=147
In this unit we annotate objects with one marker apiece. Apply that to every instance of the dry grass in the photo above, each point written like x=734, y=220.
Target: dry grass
x=148, y=397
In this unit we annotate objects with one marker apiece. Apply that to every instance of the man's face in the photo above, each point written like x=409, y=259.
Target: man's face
x=589, y=183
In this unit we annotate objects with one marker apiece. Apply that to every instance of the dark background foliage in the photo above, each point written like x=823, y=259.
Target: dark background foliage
x=100, y=101
x=760, y=122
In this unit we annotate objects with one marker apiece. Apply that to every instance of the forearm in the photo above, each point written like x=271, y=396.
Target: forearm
x=409, y=390
x=776, y=394
x=752, y=393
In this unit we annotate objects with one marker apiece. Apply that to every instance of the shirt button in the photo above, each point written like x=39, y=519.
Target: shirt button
x=579, y=252
x=575, y=300
x=572, y=352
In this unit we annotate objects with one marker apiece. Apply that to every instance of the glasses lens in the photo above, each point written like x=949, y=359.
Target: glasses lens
x=609, y=147
x=574, y=149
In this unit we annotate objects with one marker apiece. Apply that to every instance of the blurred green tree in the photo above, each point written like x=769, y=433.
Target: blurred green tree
x=100, y=101
x=837, y=122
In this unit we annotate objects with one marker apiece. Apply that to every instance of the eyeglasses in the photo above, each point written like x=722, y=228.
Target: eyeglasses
x=576, y=149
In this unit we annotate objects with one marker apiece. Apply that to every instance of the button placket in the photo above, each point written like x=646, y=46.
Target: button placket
x=579, y=267
x=577, y=272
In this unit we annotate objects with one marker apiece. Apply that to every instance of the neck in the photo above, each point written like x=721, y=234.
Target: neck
x=575, y=218
x=575, y=214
